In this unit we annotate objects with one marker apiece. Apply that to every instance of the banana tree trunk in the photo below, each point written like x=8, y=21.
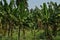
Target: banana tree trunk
x=31, y=31
x=8, y=25
x=23, y=32
x=46, y=29
x=47, y=34
x=19, y=33
x=11, y=33
x=11, y=30
x=0, y=31
x=34, y=34
x=4, y=29
x=54, y=30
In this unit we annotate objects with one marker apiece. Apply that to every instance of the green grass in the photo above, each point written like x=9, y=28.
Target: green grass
x=39, y=35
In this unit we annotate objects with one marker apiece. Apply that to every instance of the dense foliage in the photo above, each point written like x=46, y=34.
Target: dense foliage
x=16, y=17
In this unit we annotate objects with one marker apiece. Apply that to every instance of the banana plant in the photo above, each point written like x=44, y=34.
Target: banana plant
x=55, y=18
x=9, y=17
x=45, y=17
x=22, y=15
x=1, y=17
x=48, y=18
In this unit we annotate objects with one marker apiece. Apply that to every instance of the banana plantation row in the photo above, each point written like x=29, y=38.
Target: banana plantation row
x=16, y=16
